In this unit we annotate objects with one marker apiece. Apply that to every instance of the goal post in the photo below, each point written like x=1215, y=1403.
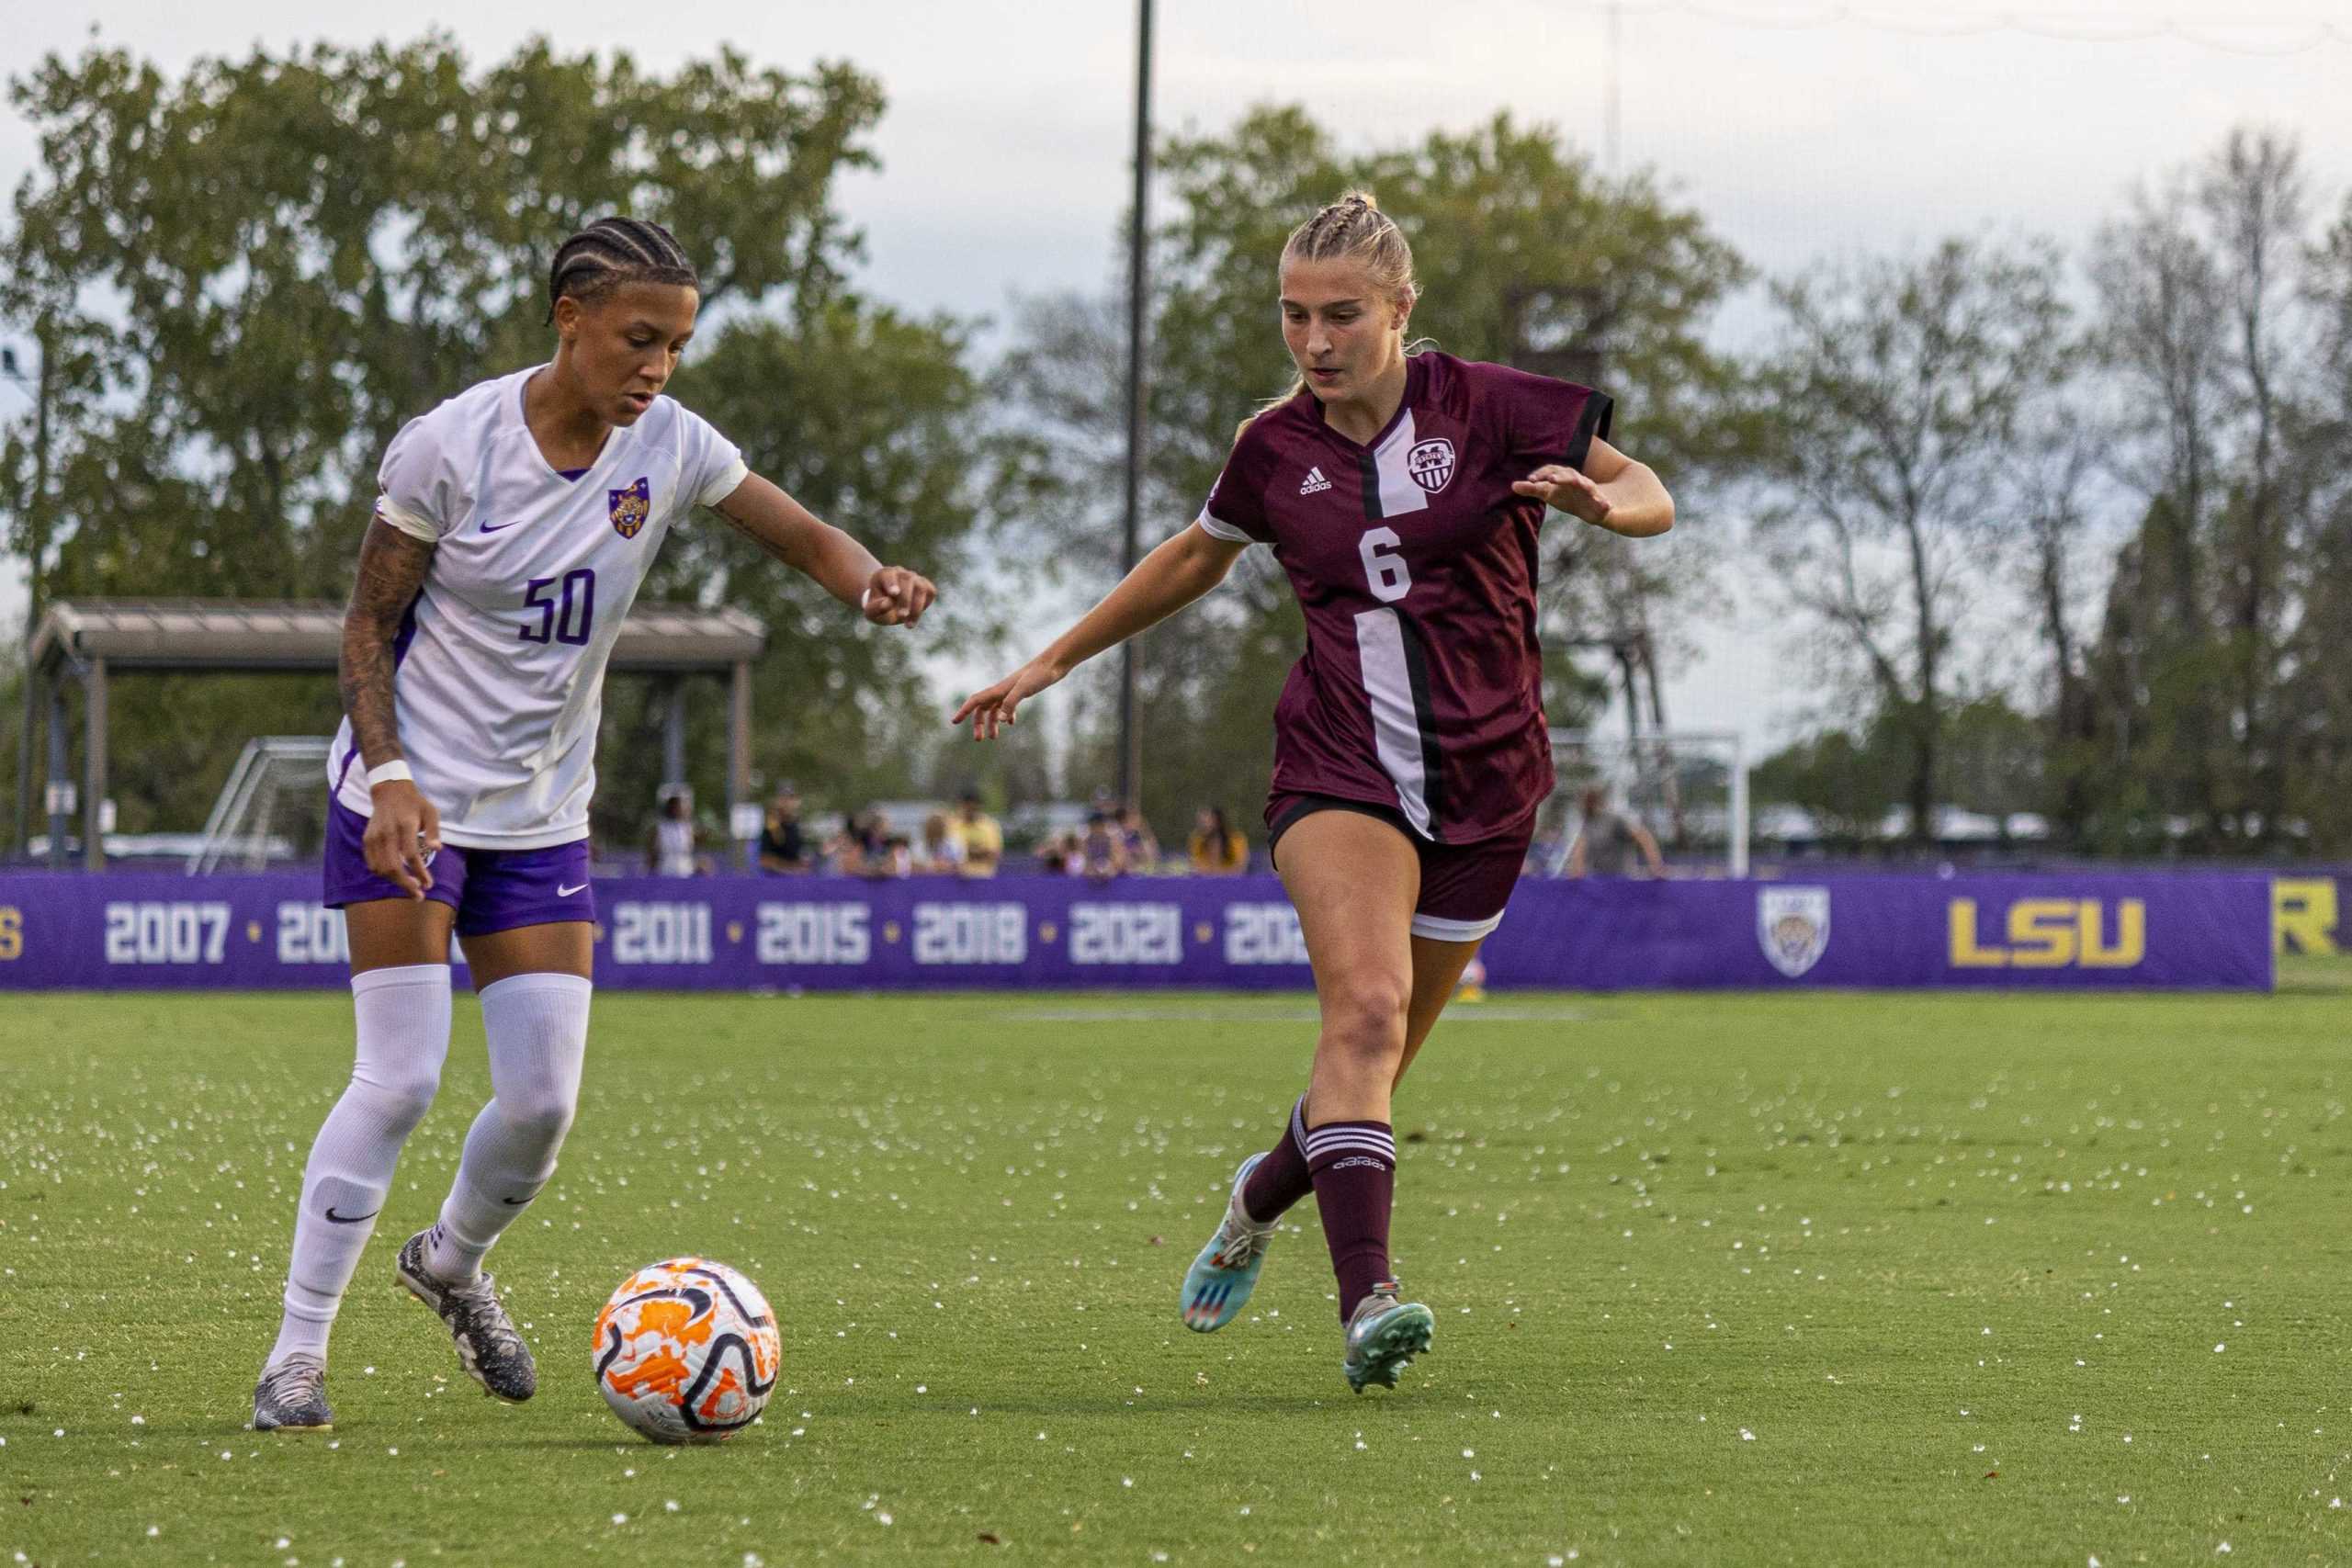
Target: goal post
x=1687, y=787
x=274, y=800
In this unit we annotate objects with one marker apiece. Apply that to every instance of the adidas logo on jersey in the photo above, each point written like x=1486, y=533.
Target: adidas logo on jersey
x=1313, y=482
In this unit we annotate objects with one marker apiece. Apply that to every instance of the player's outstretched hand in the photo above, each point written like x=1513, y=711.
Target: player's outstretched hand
x=991, y=708
x=1563, y=487
x=402, y=837
x=897, y=597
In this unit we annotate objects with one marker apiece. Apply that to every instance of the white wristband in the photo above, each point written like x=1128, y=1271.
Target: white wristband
x=385, y=773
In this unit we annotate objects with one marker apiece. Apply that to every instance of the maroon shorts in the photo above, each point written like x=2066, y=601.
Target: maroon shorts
x=1463, y=887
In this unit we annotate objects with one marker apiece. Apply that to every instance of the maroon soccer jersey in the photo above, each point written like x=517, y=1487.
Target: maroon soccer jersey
x=1422, y=685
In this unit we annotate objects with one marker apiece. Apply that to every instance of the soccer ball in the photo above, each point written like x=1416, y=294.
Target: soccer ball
x=687, y=1351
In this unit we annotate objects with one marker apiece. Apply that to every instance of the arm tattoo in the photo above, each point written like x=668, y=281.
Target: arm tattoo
x=767, y=546
x=392, y=571
x=743, y=528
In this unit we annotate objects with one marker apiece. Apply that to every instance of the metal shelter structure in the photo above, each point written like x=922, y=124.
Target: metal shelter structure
x=90, y=641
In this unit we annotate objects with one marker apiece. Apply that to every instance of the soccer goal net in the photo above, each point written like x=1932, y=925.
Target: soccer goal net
x=1687, y=788
x=272, y=809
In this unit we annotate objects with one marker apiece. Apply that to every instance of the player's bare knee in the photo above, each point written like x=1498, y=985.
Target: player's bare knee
x=1363, y=1018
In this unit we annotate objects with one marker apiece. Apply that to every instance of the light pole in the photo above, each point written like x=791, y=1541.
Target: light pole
x=1138, y=237
x=36, y=534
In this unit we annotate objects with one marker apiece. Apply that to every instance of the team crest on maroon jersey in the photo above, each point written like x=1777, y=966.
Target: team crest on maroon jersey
x=1431, y=463
x=631, y=507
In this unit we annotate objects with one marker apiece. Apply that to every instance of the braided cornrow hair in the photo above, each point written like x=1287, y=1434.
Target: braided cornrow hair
x=1352, y=228
x=614, y=251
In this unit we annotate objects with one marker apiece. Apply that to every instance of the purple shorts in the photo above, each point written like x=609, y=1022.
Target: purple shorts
x=492, y=890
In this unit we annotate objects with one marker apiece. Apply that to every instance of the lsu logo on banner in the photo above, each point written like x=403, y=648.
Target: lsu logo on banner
x=1793, y=927
x=2050, y=933
x=2303, y=911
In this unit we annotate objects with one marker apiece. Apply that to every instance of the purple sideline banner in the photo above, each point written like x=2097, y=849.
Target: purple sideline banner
x=2064, y=931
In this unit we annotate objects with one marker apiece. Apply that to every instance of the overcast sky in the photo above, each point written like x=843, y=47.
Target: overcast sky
x=1005, y=144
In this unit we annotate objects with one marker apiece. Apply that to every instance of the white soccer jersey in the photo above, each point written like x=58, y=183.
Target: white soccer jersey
x=500, y=662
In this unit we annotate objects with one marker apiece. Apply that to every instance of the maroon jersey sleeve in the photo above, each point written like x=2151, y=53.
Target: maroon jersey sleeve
x=1545, y=421
x=1236, y=511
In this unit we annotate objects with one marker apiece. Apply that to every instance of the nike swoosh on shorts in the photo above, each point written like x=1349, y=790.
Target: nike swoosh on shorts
x=568, y=892
x=501, y=528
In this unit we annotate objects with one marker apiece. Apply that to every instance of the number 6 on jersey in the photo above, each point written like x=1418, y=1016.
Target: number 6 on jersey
x=1383, y=568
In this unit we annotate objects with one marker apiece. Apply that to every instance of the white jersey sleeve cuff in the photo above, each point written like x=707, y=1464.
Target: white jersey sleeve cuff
x=725, y=485
x=407, y=522
x=1217, y=529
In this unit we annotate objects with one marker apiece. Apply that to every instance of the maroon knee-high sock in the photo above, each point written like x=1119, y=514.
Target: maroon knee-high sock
x=1281, y=1178
x=1354, y=1169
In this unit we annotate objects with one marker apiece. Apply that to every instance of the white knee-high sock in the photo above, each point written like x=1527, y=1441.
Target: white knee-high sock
x=538, y=1026
x=404, y=1017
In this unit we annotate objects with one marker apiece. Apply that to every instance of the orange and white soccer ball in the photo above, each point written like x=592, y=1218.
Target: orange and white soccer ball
x=687, y=1351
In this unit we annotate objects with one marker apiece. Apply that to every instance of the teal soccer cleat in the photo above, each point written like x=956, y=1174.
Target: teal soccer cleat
x=1217, y=1285
x=1384, y=1335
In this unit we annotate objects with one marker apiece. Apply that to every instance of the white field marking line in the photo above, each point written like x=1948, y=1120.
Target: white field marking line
x=1478, y=1013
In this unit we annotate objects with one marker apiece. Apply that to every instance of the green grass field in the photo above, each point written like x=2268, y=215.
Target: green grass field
x=1804, y=1278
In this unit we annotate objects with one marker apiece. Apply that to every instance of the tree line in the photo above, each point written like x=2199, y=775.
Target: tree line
x=2048, y=533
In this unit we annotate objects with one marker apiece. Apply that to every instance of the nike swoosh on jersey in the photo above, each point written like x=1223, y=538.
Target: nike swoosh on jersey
x=561, y=891
x=333, y=1218
x=501, y=528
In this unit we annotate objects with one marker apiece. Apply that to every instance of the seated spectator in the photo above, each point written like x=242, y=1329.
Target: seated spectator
x=856, y=850
x=1102, y=850
x=1137, y=840
x=977, y=835
x=1214, y=848
x=1053, y=855
x=894, y=857
x=941, y=852
x=783, y=845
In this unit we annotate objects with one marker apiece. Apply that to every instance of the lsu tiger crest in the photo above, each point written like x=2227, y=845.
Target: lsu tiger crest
x=1793, y=927
x=1431, y=463
x=631, y=507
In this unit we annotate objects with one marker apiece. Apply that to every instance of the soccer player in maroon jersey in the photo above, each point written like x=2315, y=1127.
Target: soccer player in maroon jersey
x=1402, y=494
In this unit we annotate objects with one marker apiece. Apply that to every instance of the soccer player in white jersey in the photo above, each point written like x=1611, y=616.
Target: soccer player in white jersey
x=515, y=524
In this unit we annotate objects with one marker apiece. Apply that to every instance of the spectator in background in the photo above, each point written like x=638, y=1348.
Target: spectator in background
x=842, y=854
x=1609, y=841
x=672, y=849
x=1102, y=850
x=1136, y=839
x=941, y=852
x=976, y=834
x=783, y=844
x=858, y=848
x=1054, y=854
x=1214, y=848
x=894, y=857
